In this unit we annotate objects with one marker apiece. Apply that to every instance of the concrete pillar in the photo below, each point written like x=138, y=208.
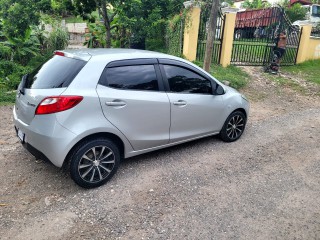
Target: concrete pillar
x=304, y=44
x=191, y=30
x=227, y=41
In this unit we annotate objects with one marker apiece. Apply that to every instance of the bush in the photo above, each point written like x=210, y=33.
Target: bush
x=57, y=39
x=7, y=96
x=11, y=74
x=174, y=35
x=6, y=68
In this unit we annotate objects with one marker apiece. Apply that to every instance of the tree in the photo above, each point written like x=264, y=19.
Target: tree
x=255, y=4
x=61, y=7
x=107, y=10
x=143, y=18
x=210, y=36
x=294, y=12
x=18, y=17
x=148, y=19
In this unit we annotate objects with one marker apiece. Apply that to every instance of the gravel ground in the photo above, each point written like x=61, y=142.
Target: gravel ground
x=264, y=186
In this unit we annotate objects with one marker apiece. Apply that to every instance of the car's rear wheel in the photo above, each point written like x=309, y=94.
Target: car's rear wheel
x=94, y=162
x=233, y=127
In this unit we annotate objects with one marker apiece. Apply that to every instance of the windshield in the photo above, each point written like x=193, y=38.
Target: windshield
x=58, y=72
x=315, y=11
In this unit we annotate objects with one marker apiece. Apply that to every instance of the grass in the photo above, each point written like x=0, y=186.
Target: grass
x=237, y=78
x=309, y=70
x=234, y=75
x=285, y=82
x=7, y=97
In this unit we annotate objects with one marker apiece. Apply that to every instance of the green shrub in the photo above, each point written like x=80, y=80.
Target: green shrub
x=7, y=96
x=155, y=45
x=57, y=39
x=11, y=74
x=174, y=33
x=6, y=68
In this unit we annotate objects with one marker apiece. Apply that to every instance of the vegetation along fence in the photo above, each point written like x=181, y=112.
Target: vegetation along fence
x=174, y=38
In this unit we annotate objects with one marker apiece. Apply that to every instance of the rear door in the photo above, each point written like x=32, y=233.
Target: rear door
x=195, y=111
x=132, y=99
x=49, y=79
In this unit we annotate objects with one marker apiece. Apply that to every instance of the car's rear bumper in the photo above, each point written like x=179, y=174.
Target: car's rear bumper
x=45, y=138
x=35, y=152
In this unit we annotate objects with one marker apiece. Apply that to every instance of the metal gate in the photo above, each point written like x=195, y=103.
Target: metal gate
x=202, y=36
x=255, y=37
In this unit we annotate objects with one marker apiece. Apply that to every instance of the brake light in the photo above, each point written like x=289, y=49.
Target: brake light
x=56, y=104
x=59, y=53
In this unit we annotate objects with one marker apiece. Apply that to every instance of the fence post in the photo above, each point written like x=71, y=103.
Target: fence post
x=191, y=30
x=227, y=41
x=304, y=43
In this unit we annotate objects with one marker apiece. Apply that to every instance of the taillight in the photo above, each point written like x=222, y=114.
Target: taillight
x=57, y=104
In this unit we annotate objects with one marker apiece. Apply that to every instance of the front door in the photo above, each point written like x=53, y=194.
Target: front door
x=195, y=111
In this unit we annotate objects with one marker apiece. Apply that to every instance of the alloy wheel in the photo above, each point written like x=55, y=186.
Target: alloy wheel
x=235, y=127
x=96, y=164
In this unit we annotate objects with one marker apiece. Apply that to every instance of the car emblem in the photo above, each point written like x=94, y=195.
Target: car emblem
x=30, y=104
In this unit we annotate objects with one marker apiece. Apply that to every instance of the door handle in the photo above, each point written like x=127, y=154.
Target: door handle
x=180, y=103
x=116, y=104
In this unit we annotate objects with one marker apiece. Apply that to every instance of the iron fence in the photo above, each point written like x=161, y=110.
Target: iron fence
x=315, y=32
x=255, y=37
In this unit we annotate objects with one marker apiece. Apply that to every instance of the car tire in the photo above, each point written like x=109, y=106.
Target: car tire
x=94, y=162
x=233, y=127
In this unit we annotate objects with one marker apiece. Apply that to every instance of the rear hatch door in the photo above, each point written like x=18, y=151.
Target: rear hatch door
x=50, y=79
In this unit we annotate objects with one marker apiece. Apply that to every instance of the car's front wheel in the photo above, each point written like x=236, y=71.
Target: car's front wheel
x=233, y=127
x=94, y=162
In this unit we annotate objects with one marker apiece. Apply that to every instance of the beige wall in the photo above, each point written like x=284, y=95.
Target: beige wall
x=309, y=47
x=227, y=42
x=191, y=33
x=313, y=49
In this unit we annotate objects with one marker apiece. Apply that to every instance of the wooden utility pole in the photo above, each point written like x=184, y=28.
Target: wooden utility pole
x=211, y=34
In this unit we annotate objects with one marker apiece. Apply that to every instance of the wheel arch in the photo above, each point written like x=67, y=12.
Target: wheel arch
x=241, y=110
x=113, y=137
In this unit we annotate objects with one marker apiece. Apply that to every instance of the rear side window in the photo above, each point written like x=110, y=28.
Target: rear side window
x=137, y=77
x=58, y=72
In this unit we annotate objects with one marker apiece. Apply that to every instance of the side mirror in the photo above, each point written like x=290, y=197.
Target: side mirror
x=219, y=90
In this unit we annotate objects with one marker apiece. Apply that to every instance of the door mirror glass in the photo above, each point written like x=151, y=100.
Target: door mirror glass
x=219, y=90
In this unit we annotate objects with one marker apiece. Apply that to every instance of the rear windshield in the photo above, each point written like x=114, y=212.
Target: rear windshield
x=58, y=72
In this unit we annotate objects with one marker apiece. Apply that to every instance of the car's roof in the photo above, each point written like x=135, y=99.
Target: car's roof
x=116, y=53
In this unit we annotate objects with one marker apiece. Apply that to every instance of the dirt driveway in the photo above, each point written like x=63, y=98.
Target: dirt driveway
x=264, y=186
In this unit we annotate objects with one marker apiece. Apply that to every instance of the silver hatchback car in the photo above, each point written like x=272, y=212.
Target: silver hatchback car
x=87, y=109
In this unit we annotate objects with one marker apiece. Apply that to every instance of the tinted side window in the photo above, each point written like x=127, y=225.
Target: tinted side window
x=138, y=77
x=58, y=72
x=185, y=81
